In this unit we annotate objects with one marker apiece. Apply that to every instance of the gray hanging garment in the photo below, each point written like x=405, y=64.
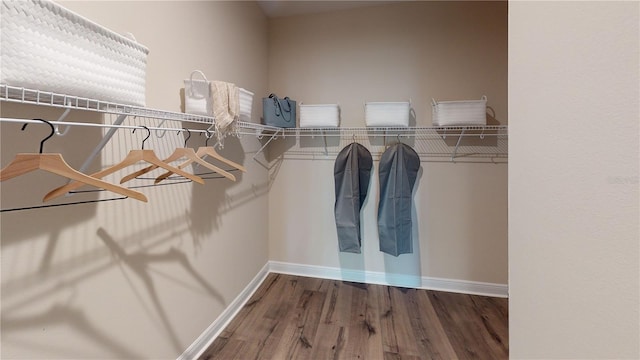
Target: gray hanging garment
x=352, y=172
x=399, y=166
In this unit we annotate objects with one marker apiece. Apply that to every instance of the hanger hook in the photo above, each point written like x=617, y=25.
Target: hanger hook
x=53, y=131
x=62, y=117
x=188, y=135
x=148, y=135
x=164, y=132
x=208, y=136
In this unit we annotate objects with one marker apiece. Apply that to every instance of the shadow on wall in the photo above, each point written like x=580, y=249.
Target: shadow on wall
x=68, y=316
x=139, y=263
x=66, y=275
x=29, y=189
x=210, y=201
x=75, y=270
x=278, y=146
x=319, y=140
x=51, y=223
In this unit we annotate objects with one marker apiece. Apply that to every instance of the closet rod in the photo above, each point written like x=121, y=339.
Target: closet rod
x=131, y=127
x=386, y=132
x=242, y=126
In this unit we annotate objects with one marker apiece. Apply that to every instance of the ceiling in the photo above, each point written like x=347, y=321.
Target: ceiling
x=279, y=8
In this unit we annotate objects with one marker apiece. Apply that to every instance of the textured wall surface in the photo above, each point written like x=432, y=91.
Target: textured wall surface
x=573, y=180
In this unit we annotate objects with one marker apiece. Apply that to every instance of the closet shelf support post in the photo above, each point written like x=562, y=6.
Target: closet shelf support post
x=273, y=136
x=102, y=143
x=324, y=137
x=455, y=150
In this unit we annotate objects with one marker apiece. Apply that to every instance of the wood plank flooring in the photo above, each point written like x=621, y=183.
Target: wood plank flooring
x=293, y=317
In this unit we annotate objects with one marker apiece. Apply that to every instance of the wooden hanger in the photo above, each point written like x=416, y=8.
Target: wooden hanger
x=190, y=154
x=211, y=151
x=133, y=157
x=179, y=153
x=54, y=163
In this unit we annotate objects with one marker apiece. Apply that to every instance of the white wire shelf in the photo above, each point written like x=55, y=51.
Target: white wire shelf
x=449, y=143
x=474, y=141
x=45, y=98
x=413, y=131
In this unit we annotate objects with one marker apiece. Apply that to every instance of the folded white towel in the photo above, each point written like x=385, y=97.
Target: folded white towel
x=226, y=107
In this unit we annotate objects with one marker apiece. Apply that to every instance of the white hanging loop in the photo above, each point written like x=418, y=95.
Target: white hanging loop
x=62, y=117
x=164, y=132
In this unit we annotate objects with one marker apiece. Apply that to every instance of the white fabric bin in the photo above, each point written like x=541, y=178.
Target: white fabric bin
x=319, y=116
x=246, y=103
x=387, y=114
x=460, y=112
x=47, y=47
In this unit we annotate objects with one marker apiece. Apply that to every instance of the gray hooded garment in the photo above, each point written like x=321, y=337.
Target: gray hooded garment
x=352, y=173
x=399, y=166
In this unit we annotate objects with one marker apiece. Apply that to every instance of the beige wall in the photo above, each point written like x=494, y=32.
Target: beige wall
x=573, y=180
x=124, y=279
x=394, y=52
x=573, y=197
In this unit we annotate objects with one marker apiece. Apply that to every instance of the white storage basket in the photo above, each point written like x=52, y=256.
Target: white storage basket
x=319, y=116
x=47, y=47
x=387, y=114
x=461, y=112
x=246, y=103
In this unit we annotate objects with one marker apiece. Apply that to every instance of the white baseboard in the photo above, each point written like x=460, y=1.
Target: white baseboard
x=211, y=333
x=382, y=278
x=324, y=272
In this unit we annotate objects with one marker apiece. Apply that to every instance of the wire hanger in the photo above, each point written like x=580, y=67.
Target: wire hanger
x=133, y=157
x=211, y=151
x=179, y=153
x=54, y=163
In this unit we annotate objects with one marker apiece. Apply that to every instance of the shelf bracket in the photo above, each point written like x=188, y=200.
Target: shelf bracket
x=102, y=143
x=273, y=136
x=61, y=118
x=326, y=147
x=455, y=151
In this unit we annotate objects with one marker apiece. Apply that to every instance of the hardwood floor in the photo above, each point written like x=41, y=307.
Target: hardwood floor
x=293, y=317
